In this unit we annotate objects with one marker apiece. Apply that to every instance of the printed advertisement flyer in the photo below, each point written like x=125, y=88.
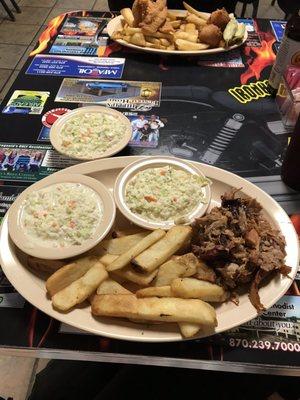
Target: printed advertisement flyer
x=26, y=102
x=253, y=39
x=30, y=162
x=278, y=28
x=145, y=129
x=118, y=94
x=8, y=195
x=277, y=328
x=76, y=66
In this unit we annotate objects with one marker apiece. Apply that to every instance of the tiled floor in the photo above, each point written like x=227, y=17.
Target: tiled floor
x=16, y=41
x=16, y=44
x=17, y=376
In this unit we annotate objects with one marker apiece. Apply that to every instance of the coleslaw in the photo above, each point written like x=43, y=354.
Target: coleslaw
x=165, y=193
x=60, y=215
x=91, y=134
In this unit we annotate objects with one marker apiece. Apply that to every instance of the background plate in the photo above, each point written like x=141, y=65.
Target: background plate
x=32, y=288
x=115, y=24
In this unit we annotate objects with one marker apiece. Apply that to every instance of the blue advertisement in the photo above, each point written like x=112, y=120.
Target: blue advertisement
x=278, y=29
x=76, y=66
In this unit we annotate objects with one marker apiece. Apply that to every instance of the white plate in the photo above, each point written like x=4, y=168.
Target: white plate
x=56, y=128
x=32, y=288
x=157, y=161
x=20, y=238
x=115, y=24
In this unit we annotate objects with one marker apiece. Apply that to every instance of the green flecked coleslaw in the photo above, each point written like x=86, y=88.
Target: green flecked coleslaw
x=62, y=215
x=164, y=193
x=91, y=134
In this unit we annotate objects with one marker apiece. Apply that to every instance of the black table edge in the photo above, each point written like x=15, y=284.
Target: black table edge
x=224, y=366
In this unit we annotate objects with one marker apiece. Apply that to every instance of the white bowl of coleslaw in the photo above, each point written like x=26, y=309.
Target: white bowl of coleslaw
x=61, y=216
x=92, y=132
x=160, y=192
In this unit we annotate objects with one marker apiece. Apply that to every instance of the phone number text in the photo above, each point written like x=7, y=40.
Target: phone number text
x=264, y=345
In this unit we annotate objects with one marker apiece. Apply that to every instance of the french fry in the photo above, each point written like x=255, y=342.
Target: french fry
x=118, y=233
x=117, y=35
x=171, y=47
x=193, y=19
x=68, y=274
x=160, y=251
x=120, y=245
x=185, y=45
x=189, y=260
x=126, y=38
x=175, y=23
x=205, y=273
x=81, y=289
x=173, y=15
x=144, y=321
x=128, y=16
x=131, y=31
x=109, y=286
x=148, y=44
x=190, y=36
x=164, y=42
x=134, y=251
x=152, y=40
x=152, y=291
x=188, y=329
x=159, y=35
x=166, y=309
x=191, y=288
x=107, y=259
x=190, y=27
x=193, y=11
x=138, y=39
x=171, y=270
x=129, y=274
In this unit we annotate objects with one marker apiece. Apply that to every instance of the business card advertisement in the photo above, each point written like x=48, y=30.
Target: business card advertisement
x=76, y=66
x=26, y=102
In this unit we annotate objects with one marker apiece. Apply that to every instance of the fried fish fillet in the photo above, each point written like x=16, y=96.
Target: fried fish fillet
x=149, y=15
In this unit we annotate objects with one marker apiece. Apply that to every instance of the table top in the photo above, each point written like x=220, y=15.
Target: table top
x=213, y=109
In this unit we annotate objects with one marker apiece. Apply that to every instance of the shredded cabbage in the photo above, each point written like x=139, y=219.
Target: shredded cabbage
x=164, y=194
x=61, y=215
x=91, y=134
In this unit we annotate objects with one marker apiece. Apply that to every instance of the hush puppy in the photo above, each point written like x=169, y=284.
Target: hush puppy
x=219, y=18
x=211, y=35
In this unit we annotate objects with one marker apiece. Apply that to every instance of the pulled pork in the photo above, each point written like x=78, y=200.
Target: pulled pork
x=239, y=244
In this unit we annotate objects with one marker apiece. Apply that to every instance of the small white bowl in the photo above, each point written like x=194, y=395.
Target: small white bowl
x=153, y=162
x=42, y=249
x=56, y=128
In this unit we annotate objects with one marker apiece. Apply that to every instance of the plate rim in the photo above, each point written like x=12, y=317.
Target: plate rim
x=121, y=162
x=170, y=52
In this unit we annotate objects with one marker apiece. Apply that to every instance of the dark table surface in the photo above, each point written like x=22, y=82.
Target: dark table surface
x=196, y=108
